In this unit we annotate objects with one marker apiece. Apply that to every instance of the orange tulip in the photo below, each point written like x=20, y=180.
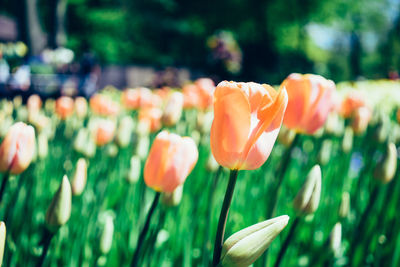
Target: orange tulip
x=206, y=88
x=173, y=109
x=81, y=107
x=140, y=98
x=190, y=96
x=103, y=105
x=170, y=161
x=17, y=148
x=247, y=119
x=64, y=107
x=362, y=117
x=199, y=95
x=105, y=132
x=310, y=101
x=152, y=116
x=163, y=93
x=353, y=101
x=34, y=103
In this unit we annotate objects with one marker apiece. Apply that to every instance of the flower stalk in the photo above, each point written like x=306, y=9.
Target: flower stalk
x=219, y=239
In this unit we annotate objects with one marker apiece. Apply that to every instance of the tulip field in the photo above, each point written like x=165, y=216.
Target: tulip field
x=234, y=174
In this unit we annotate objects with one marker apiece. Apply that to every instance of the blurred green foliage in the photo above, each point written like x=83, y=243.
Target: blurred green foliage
x=362, y=37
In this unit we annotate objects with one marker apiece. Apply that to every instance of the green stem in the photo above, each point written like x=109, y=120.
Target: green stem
x=285, y=244
x=210, y=202
x=219, y=239
x=47, y=237
x=3, y=185
x=135, y=260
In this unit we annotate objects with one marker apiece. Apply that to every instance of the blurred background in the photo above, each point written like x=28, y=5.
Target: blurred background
x=77, y=46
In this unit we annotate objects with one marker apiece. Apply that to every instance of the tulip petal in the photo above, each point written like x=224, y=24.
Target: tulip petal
x=270, y=121
x=231, y=125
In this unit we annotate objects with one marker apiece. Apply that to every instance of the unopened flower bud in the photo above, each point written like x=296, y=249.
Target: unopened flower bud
x=381, y=132
x=59, y=210
x=334, y=125
x=362, y=117
x=104, y=131
x=50, y=105
x=43, y=146
x=386, y=167
x=246, y=246
x=347, y=142
x=212, y=164
x=335, y=239
x=174, y=198
x=196, y=136
x=106, y=238
x=142, y=148
x=143, y=128
x=134, y=170
x=124, y=132
x=80, y=177
x=307, y=199
x=17, y=101
x=324, y=154
x=112, y=150
x=81, y=106
x=173, y=109
x=2, y=240
x=286, y=136
x=344, y=205
x=204, y=121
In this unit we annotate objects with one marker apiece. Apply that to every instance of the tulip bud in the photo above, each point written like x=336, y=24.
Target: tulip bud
x=143, y=128
x=196, y=136
x=204, y=121
x=17, y=101
x=381, y=132
x=362, y=117
x=112, y=150
x=34, y=103
x=335, y=239
x=344, y=205
x=244, y=247
x=81, y=107
x=80, y=176
x=386, y=167
x=43, y=146
x=172, y=199
x=395, y=134
x=2, y=240
x=18, y=148
x=106, y=238
x=334, y=125
x=142, y=148
x=104, y=131
x=173, y=109
x=347, y=142
x=124, y=132
x=286, y=136
x=50, y=105
x=212, y=164
x=59, y=210
x=8, y=108
x=325, y=153
x=134, y=170
x=307, y=200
